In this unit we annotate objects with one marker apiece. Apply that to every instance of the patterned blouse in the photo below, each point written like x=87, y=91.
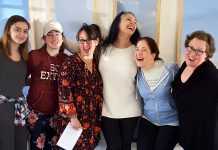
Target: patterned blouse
x=80, y=92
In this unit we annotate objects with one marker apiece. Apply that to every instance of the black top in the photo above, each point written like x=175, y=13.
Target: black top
x=196, y=101
x=12, y=76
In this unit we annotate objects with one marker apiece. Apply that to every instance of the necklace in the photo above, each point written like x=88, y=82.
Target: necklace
x=88, y=63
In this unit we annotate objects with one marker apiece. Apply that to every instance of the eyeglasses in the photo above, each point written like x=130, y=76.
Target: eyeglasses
x=198, y=52
x=82, y=41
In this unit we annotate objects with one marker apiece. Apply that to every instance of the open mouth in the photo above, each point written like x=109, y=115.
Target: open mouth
x=131, y=28
x=140, y=59
x=86, y=50
x=190, y=59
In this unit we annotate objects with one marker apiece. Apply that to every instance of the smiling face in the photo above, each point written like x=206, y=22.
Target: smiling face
x=54, y=39
x=193, y=60
x=143, y=56
x=127, y=24
x=19, y=32
x=86, y=46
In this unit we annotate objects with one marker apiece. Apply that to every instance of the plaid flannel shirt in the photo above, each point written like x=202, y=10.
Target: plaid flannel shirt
x=21, y=109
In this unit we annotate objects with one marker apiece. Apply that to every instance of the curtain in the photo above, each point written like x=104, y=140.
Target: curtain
x=40, y=12
x=104, y=12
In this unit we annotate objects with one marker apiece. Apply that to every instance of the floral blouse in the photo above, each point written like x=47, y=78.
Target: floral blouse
x=80, y=92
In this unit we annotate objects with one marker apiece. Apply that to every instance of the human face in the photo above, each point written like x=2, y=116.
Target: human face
x=54, y=39
x=143, y=56
x=191, y=59
x=128, y=24
x=19, y=32
x=86, y=46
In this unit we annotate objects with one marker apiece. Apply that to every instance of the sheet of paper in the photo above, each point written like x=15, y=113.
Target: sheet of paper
x=69, y=137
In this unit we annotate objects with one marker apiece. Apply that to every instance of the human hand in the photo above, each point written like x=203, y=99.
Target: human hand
x=75, y=123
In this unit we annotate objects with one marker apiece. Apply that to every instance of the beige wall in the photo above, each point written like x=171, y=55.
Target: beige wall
x=168, y=29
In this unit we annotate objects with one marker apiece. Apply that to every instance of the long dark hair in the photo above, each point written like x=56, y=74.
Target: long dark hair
x=114, y=31
x=96, y=31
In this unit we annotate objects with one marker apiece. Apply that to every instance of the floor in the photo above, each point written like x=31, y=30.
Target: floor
x=102, y=145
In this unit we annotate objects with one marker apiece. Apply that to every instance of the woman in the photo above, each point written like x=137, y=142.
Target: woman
x=195, y=90
x=43, y=65
x=158, y=129
x=121, y=109
x=14, y=46
x=80, y=89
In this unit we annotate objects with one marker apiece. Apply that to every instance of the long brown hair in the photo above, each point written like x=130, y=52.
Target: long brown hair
x=5, y=40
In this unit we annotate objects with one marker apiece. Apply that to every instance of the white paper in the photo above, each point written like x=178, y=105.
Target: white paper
x=69, y=137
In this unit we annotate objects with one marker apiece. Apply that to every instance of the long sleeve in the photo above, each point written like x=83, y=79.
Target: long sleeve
x=65, y=81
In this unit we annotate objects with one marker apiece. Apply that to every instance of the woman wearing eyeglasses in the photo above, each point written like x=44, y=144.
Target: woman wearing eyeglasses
x=195, y=90
x=80, y=89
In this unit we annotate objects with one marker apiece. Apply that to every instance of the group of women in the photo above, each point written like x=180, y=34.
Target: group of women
x=111, y=85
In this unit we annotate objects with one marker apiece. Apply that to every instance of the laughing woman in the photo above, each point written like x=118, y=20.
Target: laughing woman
x=195, y=90
x=121, y=108
x=158, y=129
x=80, y=89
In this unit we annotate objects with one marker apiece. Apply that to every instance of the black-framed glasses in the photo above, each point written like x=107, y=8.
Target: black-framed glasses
x=82, y=41
x=197, y=52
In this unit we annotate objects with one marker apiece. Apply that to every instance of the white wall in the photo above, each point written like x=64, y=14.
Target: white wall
x=12, y=7
x=71, y=15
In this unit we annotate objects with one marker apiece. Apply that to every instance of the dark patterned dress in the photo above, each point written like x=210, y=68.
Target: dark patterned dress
x=80, y=92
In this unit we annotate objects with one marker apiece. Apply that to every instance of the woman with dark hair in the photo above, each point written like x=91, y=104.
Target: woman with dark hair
x=195, y=90
x=97, y=33
x=121, y=108
x=80, y=89
x=14, y=47
x=43, y=66
x=158, y=128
